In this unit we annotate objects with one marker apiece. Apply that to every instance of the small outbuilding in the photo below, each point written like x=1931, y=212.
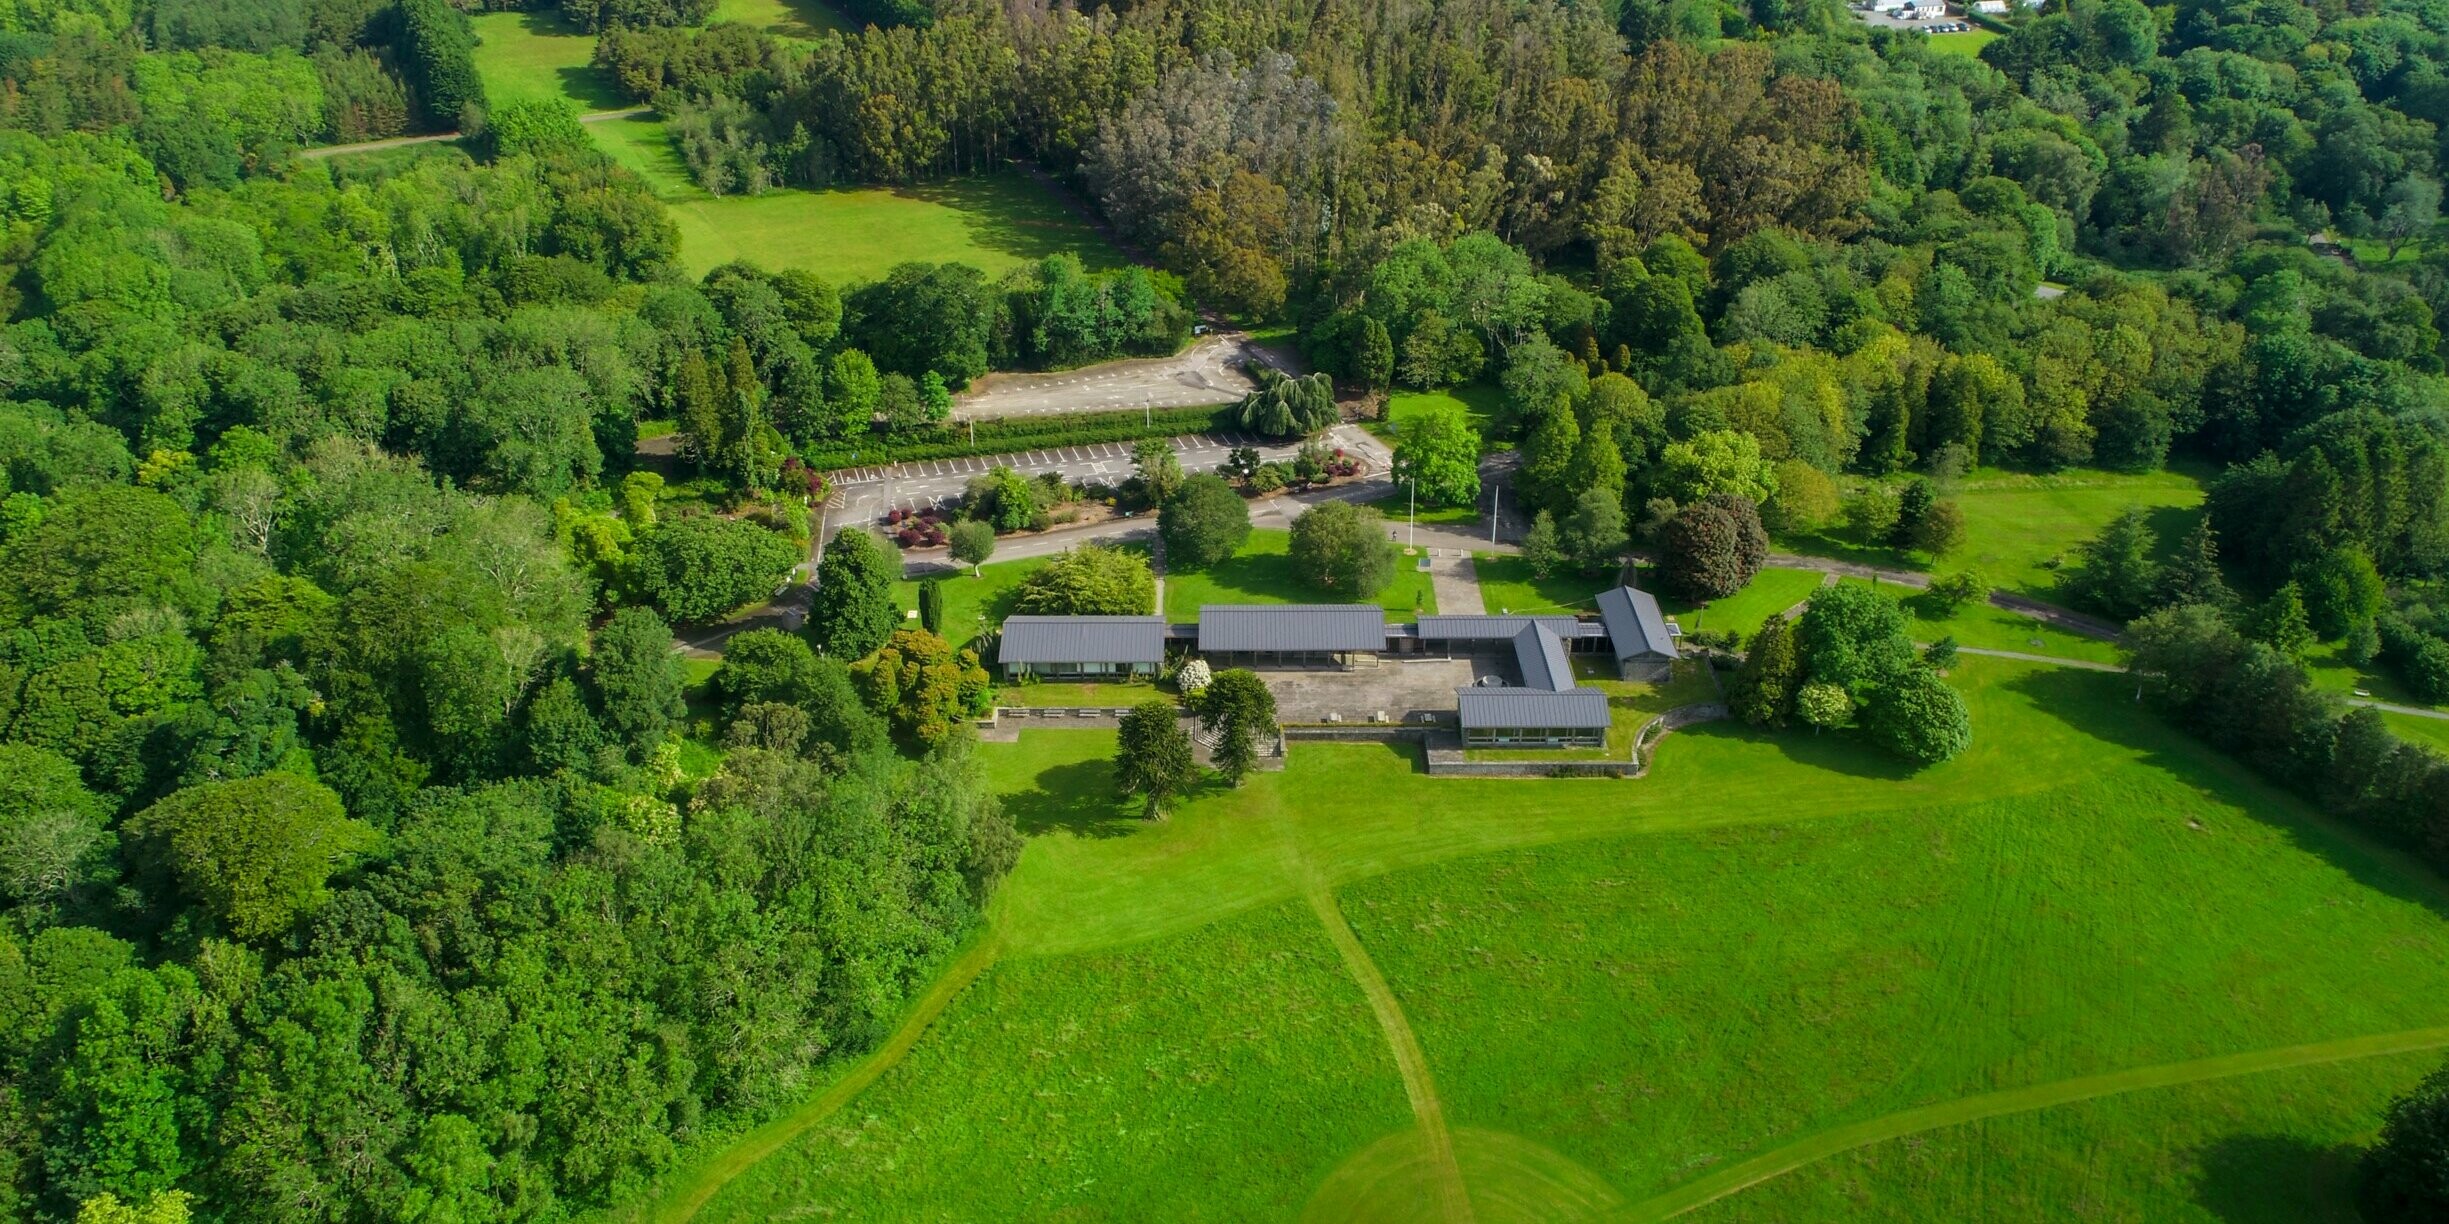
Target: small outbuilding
x=1638, y=633
x=1081, y=647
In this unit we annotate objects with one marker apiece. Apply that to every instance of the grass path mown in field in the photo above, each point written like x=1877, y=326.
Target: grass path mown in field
x=1738, y=1177
x=1454, y=1201
x=683, y=1201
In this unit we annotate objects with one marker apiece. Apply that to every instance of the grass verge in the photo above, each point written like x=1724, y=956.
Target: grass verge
x=1260, y=572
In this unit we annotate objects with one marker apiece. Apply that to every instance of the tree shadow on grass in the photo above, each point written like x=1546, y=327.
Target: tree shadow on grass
x=1256, y=578
x=1078, y=798
x=1008, y=214
x=589, y=86
x=1842, y=752
x=2102, y=707
x=2247, y=1179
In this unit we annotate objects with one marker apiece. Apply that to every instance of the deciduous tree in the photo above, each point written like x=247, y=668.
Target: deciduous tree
x=255, y=853
x=1438, y=453
x=1341, y=548
x=1204, y=523
x=1091, y=580
x=851, y=612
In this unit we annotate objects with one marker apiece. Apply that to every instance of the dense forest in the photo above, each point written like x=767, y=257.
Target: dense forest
x=361, y=859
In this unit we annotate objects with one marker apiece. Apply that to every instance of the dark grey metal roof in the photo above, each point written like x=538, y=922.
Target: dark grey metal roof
x=1636, y=629
x=1580, y=709
x=1082, y=639
x=1487, y=628
x=1300, y=627
x=1541, y=655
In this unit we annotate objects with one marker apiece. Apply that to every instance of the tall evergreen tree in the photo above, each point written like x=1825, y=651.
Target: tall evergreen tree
x=1763, y=690
x=2193, y=575
x=852, y=611
x=1152, y=755
x=2281, y=623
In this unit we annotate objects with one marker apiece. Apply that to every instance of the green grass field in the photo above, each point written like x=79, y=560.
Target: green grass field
x=800, y=19
x=532, y=56
x=1508, y=585
x=1620, y=990
x=1770, y=592
x=1966, y=43
x=976, y=605
x=996, y=222
x=1398, y=509
x=2021, y=529
x=1213, y=1075
x=1261, y=573
x=1992, y=628
x=1479, y=403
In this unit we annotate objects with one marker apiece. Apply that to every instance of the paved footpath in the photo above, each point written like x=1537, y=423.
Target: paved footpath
x=1456, y=580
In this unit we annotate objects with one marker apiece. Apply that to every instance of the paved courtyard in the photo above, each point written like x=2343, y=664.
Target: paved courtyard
x=1403, y=688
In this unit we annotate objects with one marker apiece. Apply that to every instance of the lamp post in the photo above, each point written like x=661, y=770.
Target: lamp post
x=1412, y=538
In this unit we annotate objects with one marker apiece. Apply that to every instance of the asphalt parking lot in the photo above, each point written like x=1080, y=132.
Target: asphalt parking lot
x=933, y=482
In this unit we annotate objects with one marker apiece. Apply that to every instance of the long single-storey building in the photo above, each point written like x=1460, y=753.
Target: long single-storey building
x=1297, y=634
x=1548, y=707
x=1082, y=647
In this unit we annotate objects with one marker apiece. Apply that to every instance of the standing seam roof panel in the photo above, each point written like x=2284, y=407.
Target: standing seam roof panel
x=1082, y=639
x=1292, y=627
x=1635, y=627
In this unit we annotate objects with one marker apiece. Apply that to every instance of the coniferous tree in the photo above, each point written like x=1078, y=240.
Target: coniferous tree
x=2281, y=623
x=1763, y=689
x=1373, y=357
x=2193, y=575
x=1238, y=710
x=1152, y=755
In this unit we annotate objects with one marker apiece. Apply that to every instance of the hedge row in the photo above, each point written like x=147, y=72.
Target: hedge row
x=1005, y=435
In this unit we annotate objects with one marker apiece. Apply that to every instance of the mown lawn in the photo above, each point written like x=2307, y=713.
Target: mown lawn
x=1966, y=42
x=1770, y=592
x=1989, y=627
x=1621, y=986
x=1053, y=693
x=996, y=222
x=1508, y=585
x=1479, y=403
x=1216, y=1075
x=2021, y=529
x=800, y=19
x=977, y=605
x=2279, y=1147
x=1261, y=573
x=1398, y=509
x=1653, y=1007
x=537, y=55
x=2330, y=669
